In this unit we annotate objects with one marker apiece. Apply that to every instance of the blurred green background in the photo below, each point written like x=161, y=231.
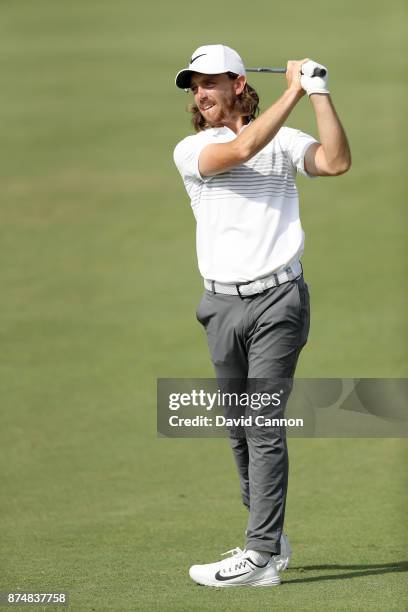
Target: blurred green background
x=100, y=283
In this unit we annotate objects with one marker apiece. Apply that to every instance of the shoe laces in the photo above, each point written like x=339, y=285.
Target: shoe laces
x=228, y=564
x=234, y=552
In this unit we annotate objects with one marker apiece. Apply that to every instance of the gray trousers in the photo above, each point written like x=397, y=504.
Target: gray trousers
x=259, y=337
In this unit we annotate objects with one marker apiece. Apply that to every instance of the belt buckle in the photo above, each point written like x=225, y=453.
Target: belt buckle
x=260, y=286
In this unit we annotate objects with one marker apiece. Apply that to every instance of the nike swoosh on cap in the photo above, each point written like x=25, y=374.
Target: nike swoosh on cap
x=193, y=59
x=219, y=577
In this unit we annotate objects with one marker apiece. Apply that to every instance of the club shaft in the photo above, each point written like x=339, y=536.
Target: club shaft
x=318, y=72
x=275, y=70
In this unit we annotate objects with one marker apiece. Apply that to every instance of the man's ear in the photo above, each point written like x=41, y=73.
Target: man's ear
x=239, y=83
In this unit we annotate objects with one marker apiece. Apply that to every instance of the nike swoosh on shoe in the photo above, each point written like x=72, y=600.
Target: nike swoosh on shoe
x=219, y=577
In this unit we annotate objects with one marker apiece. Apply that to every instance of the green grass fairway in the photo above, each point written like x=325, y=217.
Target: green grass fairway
x=99, y=287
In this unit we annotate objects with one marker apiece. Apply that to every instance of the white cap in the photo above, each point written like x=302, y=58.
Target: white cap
x=211, y=59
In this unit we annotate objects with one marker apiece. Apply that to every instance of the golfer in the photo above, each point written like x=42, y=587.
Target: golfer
x=239, y=170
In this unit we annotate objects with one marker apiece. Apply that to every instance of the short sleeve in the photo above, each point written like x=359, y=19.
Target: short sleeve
x=296, y=143
x=186, y=156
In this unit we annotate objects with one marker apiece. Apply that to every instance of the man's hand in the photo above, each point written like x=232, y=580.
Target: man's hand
x=293, y=76
x=314, y=84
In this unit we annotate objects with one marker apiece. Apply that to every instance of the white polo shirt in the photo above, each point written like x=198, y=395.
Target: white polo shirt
x=248, y=223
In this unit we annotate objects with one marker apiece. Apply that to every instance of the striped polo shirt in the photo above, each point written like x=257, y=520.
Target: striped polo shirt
x=248, y=224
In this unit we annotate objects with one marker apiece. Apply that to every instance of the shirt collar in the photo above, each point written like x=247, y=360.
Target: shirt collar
x=225, y=129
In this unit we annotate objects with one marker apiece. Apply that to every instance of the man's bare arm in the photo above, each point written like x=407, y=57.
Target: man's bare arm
x=332, y=156
x=216, y=158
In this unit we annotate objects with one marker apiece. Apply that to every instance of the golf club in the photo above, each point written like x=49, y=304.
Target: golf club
x=316, y=72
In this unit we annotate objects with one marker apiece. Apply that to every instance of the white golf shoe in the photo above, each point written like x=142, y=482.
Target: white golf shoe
x=282, y=561
x=237, y=570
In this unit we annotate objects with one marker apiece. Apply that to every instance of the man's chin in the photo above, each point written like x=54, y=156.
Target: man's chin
x=214, y=120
